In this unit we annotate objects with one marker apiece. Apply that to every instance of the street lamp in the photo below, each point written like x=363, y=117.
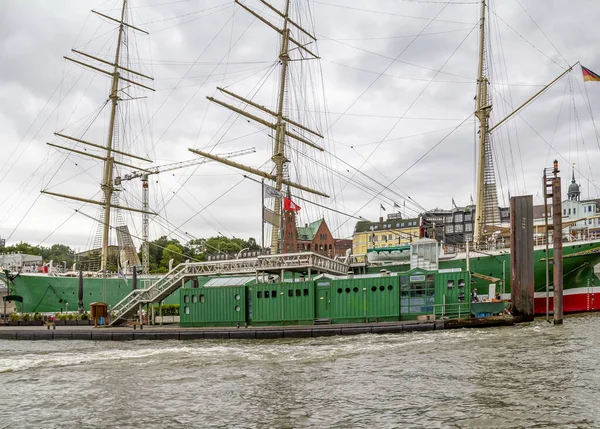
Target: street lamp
x=240, y=252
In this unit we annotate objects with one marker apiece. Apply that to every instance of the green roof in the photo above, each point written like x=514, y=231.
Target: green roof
x=309, y=232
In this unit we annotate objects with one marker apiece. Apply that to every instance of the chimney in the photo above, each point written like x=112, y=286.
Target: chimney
x=380, y=218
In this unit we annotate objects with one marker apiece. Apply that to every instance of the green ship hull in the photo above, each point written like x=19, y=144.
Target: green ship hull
x=581, y=286
x=52, y=294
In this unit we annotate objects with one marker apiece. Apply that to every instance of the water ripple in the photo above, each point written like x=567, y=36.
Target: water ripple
x=529, y=376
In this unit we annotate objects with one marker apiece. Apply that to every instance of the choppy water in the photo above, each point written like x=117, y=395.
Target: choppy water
x=533, y=375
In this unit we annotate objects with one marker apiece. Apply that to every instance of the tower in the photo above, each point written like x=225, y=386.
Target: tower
x=574, y=192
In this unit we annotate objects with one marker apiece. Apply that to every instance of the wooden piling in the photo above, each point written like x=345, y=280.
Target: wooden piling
x=521, y=256
x=557, y=248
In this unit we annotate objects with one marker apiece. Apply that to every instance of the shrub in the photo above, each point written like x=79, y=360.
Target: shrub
x=25, y=317
x=14, y=317
x=61, y=316
x=170, y=310
x=85, y=316
x=71, y=316
x=37, y=316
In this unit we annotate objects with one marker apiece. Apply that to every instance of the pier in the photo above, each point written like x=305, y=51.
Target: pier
x=89, y=333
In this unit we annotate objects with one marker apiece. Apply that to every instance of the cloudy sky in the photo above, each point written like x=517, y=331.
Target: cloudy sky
x=392, y=94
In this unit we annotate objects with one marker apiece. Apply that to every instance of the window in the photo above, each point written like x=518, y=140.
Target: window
x=291, y=293
x=569, y=211
x=347, y=290
x=397, y=225
x=584, y=209
x=449, y=228
x=402, y=224
x=468, y=227
x=273, y=294
x=266, y=294
x=202, y=299
x=458, y=228
x=298, y=292
x=589, y=208
x=186, y=299
x=574, y=210
x=450, y=284
x=458, y=217
x=564, y=212
x=194, y=299
x=469, y=237
x=187, y=309
x=389, y=236
x=468, y=218
x=305, y=292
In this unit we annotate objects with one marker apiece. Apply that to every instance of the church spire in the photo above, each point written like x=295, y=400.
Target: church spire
x=574, y=191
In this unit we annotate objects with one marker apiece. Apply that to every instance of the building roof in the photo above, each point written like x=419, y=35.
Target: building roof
x=309, y=231
x=364, y=226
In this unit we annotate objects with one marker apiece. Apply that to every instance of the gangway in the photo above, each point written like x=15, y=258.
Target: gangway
x=305, y=262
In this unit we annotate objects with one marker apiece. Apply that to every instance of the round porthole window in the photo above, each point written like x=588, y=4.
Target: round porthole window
x=237, y=308
x=237, y=297
x=339, y=290
x=347, y=290
x=382, y=288
x=374, y=288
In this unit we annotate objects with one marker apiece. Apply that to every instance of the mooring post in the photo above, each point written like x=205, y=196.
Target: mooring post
x=521, y=256
x=558, y=247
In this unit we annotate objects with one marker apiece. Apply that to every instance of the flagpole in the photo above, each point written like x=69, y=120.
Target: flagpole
x=262, y=214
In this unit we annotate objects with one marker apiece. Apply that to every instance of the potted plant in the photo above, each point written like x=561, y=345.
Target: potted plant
x=24, y=319
x=60, y=319
x=84, y=318
x=71, y=319
x=13, y=319
x=37, y=320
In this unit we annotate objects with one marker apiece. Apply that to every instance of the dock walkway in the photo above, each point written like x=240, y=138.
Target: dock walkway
x=267, y=332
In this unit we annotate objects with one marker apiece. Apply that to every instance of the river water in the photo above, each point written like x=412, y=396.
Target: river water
x=531, y=375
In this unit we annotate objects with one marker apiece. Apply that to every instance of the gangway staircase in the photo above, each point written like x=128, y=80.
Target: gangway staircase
x=306, y=262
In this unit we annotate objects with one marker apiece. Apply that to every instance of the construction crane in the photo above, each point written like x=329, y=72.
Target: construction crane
x=143, y=175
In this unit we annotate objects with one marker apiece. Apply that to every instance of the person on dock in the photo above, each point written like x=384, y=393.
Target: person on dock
x=474, y=297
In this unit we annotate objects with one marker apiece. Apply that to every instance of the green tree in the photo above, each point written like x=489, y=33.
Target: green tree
x=171, y=251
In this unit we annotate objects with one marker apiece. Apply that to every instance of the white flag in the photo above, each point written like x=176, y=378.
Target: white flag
x=271, y=192
x=271, y=217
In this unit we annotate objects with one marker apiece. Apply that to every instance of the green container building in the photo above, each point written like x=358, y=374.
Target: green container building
x=289, y=303
x=453, y=294
x=365, y=299
x=212, y=304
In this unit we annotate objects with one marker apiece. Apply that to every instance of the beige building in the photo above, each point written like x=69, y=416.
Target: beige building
x=394, y=231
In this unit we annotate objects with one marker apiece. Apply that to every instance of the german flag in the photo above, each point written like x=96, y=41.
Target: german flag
x=589, y=75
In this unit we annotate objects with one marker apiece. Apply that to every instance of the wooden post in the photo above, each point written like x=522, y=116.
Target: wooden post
x=521, y=256
x=557, y=247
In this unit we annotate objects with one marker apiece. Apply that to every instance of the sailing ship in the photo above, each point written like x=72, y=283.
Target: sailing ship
x=489, y=262
x=489, y=258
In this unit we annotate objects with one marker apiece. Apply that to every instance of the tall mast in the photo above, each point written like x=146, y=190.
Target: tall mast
x=279, y=149
x=107, y=184
x=280, y=126
x=486, y=204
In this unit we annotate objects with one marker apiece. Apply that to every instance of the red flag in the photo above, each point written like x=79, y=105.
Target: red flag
x=290, y=206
